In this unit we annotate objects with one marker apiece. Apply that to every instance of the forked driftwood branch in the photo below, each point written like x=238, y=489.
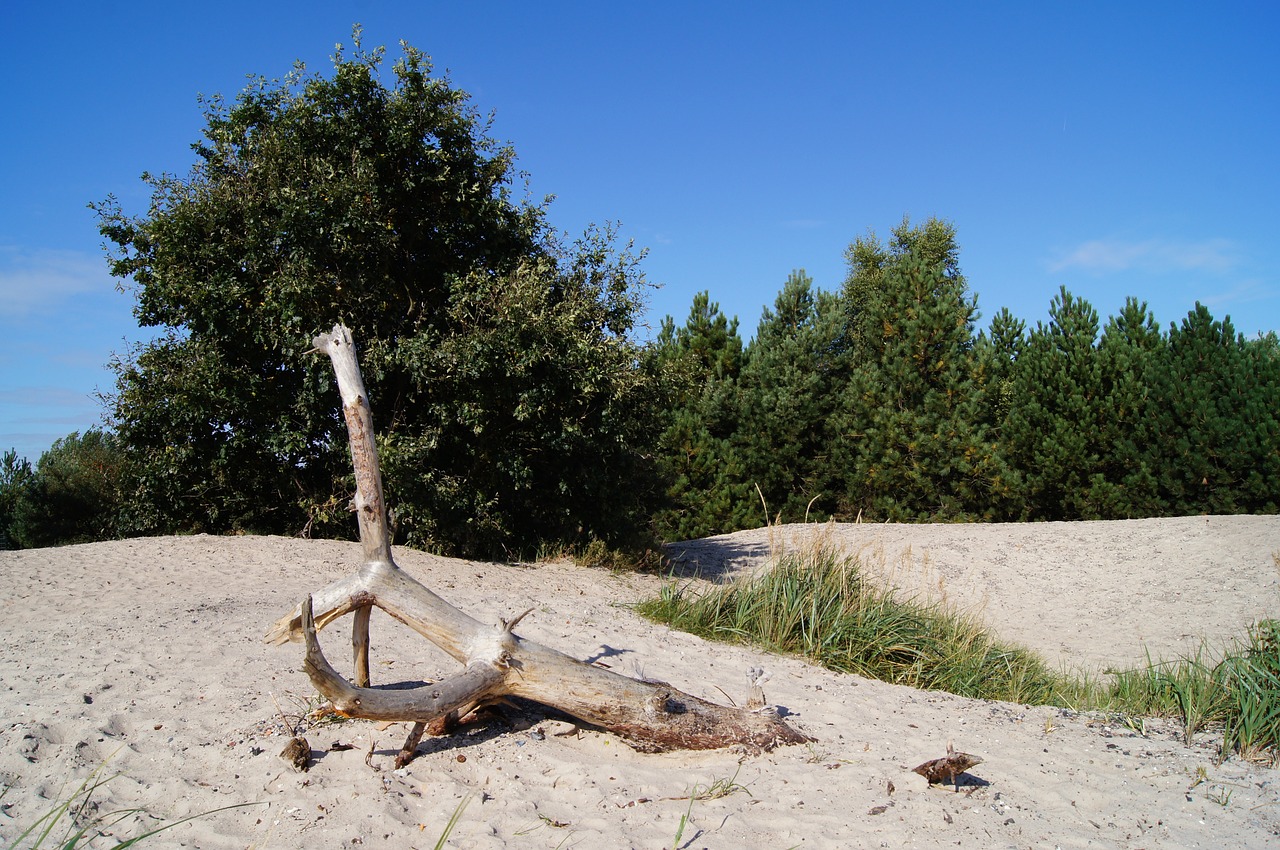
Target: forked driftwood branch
x=652, y=716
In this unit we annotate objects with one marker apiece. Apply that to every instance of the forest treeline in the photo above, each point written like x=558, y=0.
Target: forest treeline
x=518, y=409
x=885, y=401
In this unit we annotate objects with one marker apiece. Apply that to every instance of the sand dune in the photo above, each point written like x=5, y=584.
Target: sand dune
x=147, y=654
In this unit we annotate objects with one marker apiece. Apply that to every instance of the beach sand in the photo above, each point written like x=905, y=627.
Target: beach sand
x=147, y=655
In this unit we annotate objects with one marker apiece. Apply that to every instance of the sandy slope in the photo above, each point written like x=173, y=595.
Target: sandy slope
x=149, y=653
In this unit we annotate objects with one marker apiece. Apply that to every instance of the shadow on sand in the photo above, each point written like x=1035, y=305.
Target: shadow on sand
x=717, y=559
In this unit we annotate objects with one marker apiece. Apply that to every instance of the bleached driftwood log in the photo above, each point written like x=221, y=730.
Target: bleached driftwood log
x=652, y=716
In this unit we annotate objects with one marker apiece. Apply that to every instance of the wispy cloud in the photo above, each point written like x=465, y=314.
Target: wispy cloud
x=36, y=281
x=1243, y=292
x=1102, y=256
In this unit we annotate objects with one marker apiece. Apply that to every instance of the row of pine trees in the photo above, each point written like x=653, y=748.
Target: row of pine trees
x=884, y=401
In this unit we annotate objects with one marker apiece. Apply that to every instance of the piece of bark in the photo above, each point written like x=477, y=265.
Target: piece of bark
x=298, y=754
x=948, y=768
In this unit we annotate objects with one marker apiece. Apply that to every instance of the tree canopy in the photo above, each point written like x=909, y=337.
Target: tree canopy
x=502, y=363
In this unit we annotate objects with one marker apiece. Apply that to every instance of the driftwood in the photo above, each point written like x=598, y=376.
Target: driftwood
x=652, y=716
x=948, y=768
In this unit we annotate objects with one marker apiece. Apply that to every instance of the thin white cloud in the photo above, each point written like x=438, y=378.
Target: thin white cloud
x=1243, y=292
x=37, y=281
x=1102, y=256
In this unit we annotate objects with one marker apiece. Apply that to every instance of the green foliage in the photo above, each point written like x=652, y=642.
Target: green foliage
x=869, y=260
x=997, y=356
x=1130, y=352
x=707, y=492
x=74, y=494
x=912, y=440
x=529, y=414
x=1053, y=428
x=500, y=363
x=16, y=476
x=1219, y=420
x=788, y=390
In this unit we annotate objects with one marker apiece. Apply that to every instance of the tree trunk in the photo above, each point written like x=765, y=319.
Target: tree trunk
x=652, y=716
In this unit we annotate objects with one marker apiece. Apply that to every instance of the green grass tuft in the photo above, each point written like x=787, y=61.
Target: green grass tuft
x=818, y=603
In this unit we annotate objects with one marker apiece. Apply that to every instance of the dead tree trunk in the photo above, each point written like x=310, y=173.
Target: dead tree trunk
x=653, y=716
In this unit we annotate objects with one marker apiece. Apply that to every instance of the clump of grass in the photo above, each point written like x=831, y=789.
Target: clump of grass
x=818, y=603
x=722, y=787
x=1237, y=691
x=1251, y=682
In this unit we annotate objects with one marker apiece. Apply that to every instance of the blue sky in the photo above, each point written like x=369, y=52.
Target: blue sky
x=1114, y=148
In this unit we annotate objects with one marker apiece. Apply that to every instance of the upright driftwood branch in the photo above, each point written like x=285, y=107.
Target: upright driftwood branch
x=497, y=662
x=368, y=503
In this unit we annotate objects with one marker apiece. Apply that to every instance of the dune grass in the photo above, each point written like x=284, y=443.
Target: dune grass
x=820, y=604
x=73, y=822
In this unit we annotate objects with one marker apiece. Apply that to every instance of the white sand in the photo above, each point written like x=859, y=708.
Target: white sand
x=148, y=653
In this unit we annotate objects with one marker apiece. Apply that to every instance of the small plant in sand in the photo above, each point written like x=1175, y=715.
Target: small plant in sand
x=452, y=822
x=74, y=822
x=717, y=789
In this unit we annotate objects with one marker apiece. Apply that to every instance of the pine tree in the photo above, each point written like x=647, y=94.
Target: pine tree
x=1052, y=432
x=789, y=386
x=1219, y=425
x=910, y=435
x=869, y=259
x=997, y=354
x=1131, y=349
x=707, y=492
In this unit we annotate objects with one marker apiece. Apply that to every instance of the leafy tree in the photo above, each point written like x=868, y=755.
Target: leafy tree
x=319, y=199
x=1219, y=425
x=74, y=494
x=533, y=419
x=912, y=441
x=707, y=492
x=789, y=390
